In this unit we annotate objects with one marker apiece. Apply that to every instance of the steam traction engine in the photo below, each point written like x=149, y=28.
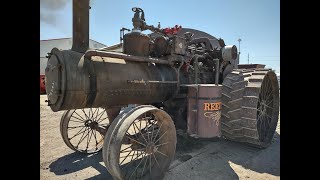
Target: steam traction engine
x=179, y=78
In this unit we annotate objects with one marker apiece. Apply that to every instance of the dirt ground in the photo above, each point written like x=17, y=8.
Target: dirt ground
x=195, y=159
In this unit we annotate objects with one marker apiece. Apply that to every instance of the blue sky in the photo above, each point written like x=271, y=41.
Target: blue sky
x=256, y=22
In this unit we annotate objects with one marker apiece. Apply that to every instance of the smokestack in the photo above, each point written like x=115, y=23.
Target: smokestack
x=80, y=39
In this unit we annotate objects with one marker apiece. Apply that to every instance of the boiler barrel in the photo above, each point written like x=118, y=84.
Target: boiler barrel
x=105, y=82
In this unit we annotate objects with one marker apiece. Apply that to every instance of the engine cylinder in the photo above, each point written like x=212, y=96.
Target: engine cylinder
x=105, y=82
x=136, y=44
x=229, y=53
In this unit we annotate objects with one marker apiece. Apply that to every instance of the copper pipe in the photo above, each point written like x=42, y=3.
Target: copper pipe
x=126, y=57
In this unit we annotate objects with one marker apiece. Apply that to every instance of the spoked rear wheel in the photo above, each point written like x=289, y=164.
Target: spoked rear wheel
x=250, y=106
x=140, y=144
x=267, y=109
x=83, y=130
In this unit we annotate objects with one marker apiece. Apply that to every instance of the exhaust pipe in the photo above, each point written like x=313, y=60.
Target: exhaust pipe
x=80, y=37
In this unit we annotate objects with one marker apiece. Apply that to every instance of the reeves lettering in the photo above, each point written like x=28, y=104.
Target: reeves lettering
x=212, y=106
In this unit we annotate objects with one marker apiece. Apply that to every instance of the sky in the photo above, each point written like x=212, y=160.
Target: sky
x=255, y=22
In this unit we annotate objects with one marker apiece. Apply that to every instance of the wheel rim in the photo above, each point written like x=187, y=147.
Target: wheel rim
x=267, y=108
x=145, y=146
x=144, y=151
x=81, y=129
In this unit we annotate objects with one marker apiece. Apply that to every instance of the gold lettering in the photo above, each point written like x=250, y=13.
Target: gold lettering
x=206, y=106
x=212, y=106
x=218, y=105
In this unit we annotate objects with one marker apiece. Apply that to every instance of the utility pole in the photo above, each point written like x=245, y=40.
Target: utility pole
x=248, y=58
x=239, y=49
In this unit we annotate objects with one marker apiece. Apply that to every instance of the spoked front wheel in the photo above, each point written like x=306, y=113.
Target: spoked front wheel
x=83, y=130
x=140, y=144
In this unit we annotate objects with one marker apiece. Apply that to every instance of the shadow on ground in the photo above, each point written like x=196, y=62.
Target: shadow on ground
x=195, y=159
x=76, y=161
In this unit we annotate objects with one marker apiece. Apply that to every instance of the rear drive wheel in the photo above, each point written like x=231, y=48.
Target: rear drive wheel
x=251, y=113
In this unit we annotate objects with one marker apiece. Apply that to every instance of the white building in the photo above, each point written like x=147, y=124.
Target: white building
x=64, y=43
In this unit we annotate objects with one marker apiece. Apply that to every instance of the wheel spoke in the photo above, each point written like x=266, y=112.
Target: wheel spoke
x=140, y=133
x=125, y=148
x=96, y=115
x=267, y=115
x=75, y=120
x=94, y=112
x=100, y=120
x=95, y=137
x=157, y=132
x=78, y=133
x=97, y=120
x=270, y=102
x=265, y=128
x=152, y=133
x=136, y=141
x=134, y=152
x=269, y=107
x=156, y=159
x=136, y=168
x=129, y=155
x=141, y=153
x=259, y=115
x=148, y=133
x=89, y=139
x=263, y=91
x=150, y=165
x=134, y=128
x=82, y=138
x=78, y=119
x=270, y=95
x=75, y=127
x=125, y=158
x=267, y=86
x=79, y=115
x=144, y=166
x=161, y=144
x=161, y=136
x=85, y=114
x=161, y=153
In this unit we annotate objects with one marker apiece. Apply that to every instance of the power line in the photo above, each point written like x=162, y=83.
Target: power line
x=266, y=60
x=266, y=56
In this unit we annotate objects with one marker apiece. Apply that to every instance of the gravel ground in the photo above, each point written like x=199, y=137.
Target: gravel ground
x=195, y=159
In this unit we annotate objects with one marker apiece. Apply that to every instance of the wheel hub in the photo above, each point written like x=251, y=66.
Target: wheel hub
x=263, y=107
x=151, y=148
x=90, y=123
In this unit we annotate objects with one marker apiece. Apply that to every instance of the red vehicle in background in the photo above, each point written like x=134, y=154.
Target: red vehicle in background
x=42, y=84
